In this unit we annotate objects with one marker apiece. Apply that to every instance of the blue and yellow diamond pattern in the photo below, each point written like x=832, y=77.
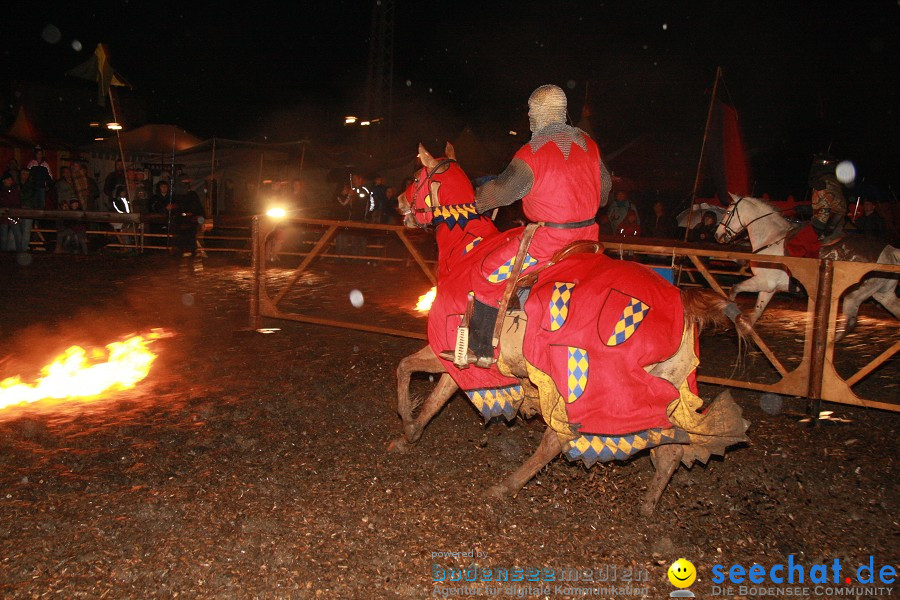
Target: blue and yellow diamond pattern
x=578, y=372
x=559, y=304
x=603, y=448
x=471, y=245
x=455, y=214
x=505, y=270
x=495, y=402
x=628, y=323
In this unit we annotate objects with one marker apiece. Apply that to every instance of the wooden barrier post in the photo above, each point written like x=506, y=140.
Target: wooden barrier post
x=820, y=336
x=255, y=267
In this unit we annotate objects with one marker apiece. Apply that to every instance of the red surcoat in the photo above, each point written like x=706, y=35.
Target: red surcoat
x=564, y=191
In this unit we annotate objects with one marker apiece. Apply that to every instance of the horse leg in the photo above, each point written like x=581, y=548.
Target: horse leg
x=548, y=449
x=850, y=306
x=759, y=282
x=423, y=361
x=762, y=301
x=886, y=294
x=765, y=282
x=665, y=459
x=889, y=300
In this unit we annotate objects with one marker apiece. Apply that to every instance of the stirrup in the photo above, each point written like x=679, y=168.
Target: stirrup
x=470, y=358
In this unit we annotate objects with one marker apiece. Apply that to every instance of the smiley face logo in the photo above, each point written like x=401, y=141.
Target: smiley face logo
x=682, y=573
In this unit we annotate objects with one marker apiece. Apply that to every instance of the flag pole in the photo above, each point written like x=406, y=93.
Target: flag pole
x=709, y=113
x=131, y=197
x=687, y=229
x=171, y=195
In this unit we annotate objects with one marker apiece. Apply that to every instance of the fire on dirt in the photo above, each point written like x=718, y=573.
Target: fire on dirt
x=85, y=374
x=425, y=300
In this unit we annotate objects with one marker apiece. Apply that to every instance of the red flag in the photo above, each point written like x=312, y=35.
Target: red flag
x=725, y=167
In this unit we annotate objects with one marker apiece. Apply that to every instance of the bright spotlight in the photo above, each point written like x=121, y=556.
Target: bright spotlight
x=114, y=126
x=845, y=172
x=276, y=212
x=349, y=120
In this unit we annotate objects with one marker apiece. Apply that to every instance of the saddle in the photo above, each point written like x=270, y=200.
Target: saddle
x=804, y=243
x=479, y=317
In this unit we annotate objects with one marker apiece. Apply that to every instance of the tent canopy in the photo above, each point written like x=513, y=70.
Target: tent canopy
x=150, y=139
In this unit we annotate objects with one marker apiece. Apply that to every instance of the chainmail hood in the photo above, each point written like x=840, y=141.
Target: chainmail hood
x=546, y=105
x=560, y=134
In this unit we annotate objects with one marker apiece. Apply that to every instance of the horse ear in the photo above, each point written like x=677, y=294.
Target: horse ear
x=734, y=197
x=427, y=159
x=450, y=151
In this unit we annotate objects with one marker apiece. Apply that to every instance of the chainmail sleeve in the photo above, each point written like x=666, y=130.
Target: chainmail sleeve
x=605, y=184
x=513, y=183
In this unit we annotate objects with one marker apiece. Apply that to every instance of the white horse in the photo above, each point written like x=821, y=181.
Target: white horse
x=768, y=230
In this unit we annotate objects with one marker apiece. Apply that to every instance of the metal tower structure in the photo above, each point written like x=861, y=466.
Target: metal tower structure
x=379, y=81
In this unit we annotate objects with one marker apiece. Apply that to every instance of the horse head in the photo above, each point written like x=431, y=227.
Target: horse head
x=750, y=214
x=438, y=186
x=731, y=223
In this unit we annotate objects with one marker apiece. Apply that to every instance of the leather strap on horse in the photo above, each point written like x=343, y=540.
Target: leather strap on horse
x=527, y=236
x=577, y=247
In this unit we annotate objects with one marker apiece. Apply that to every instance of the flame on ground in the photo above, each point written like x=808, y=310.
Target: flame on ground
x=425, y=301
x=83, y=374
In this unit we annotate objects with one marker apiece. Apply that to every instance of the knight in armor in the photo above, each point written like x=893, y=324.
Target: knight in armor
x=829, y=210
x=562, y=182
x=828, y=203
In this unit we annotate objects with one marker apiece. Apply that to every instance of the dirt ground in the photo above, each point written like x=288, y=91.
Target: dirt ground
x=252, y=465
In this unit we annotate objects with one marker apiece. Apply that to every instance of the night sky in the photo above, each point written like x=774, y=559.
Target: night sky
x=804, y=76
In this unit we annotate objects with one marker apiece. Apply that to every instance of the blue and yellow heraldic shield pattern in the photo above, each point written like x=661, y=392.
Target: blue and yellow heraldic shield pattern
x=503, y=272
x=628, y=323
x=578, y=372
x=559, y=304
x=471, y=245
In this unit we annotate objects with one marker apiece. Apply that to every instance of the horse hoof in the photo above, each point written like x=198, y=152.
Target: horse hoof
x=496, y=492
x=399, y=446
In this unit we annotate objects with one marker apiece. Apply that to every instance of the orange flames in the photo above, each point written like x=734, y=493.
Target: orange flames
x=425, y=300
x=79, y=373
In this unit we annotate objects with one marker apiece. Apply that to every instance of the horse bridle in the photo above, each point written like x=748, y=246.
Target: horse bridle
x=426, y=181
x=731, y=234
x=428, y=177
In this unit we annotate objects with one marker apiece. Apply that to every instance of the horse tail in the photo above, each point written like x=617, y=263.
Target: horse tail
x=704, y=307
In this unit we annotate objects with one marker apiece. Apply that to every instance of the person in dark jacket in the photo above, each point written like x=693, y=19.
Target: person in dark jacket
x=705, y=231
x=870, y=223
x=661, y=224
x=187, y=216
x=10, y=232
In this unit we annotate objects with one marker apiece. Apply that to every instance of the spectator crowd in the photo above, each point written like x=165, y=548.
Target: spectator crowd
x=34, y=187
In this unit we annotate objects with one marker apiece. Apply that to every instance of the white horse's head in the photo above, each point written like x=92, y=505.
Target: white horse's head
x=740, y=214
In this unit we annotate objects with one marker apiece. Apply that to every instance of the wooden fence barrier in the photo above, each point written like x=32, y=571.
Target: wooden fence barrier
x=825, y=281
x=264, y=305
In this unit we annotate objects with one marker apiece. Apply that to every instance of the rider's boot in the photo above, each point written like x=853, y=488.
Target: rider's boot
x=474, y=337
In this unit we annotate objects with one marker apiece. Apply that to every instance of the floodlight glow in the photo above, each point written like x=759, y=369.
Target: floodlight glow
x=845, y=172
x=364, y=123
x=114, y=126
x=349, y=120
x=276, y=212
